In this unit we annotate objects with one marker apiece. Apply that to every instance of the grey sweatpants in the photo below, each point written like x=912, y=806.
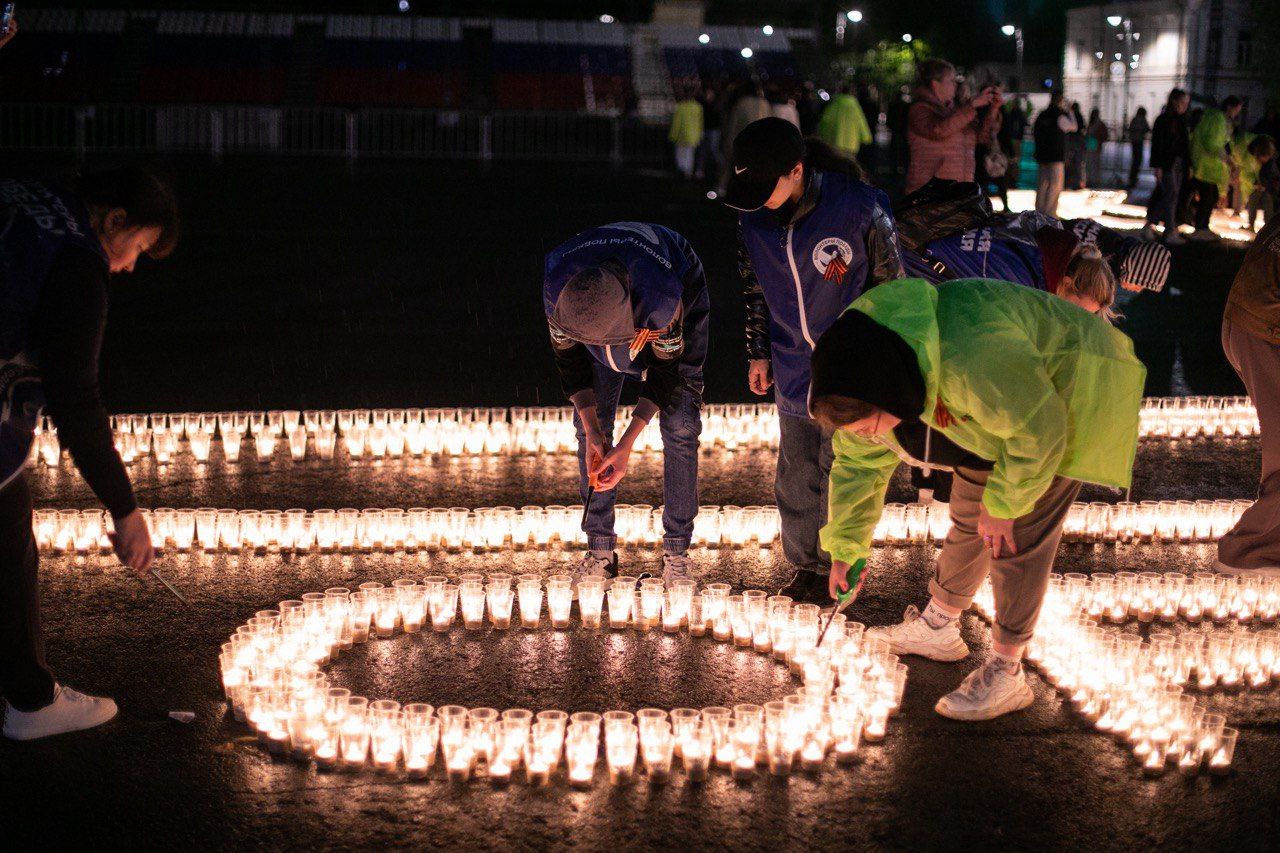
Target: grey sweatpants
x=1254, y=542
x=1019, y=582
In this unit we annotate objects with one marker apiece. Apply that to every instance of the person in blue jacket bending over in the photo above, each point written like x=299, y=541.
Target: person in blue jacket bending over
x=630, y=300
x=812, y=237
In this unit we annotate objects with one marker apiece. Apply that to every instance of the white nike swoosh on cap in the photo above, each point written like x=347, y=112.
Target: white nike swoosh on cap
x=738, y=171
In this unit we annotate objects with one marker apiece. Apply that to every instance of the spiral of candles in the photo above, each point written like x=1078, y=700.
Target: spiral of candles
x=271, y=673
x=1142, y=692
x=532, y=527
x=408, y=433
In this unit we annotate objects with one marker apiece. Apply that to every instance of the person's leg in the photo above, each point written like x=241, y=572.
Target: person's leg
x=1056, y=177
x=681, y=425
x=25, y=680
x=601, y=539
x=1207, y=202
x=1019, y=581
x=1135, y=162
x=804, y=464
x=1254, y=543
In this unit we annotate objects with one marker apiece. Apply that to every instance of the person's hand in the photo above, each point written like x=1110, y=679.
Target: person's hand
x=132, y=542
x=1130, y=286
x=837, y=581
x=596, y=450
x=984, y=97
x=5, y=38
x=996, y=533
x=613, y=467
x=759, y=375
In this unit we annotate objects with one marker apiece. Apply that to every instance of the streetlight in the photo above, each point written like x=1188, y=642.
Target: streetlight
x=747, y=53
x=606, y=19
x=1015, y=31
x=704, y=39
x=906, y=37
x=1114, y=20
x=853, y=16
x=767, y=29
x=1129, y=36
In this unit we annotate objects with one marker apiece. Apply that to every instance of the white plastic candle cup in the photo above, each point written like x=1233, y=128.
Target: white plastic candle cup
x=387, y=614
x=411, y=602
x=696, y=747
x=1223, y=754
x=386, y=734
x=471, y=595
x=359, y=615
x=421, y=739
x=529, y=592
x=444, y=607
x=582, y=746
x=590, y=601
x=500, y=598
x=559, y=600
x=621, y=743
x=657, y=747
x=621, y=597
x=354, y=735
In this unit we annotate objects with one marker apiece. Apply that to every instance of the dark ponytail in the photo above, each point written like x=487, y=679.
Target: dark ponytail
x=147, y=201
x=820, y=156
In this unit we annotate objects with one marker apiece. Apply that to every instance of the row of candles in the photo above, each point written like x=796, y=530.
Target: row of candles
x=271, y=672
x=396, y=433
x=492, y=528
x=1137, y=690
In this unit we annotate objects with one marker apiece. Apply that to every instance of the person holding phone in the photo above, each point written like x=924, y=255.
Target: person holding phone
x=812, y=237
x=57, y=248
x=1034, y=397
x=630, y=300
x=943, y=129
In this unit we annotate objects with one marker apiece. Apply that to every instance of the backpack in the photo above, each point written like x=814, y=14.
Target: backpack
x=939, y=208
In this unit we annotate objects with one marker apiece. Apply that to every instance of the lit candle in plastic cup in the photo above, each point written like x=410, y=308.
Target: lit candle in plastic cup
x=590, y=601
x=444, y=607
x=559, y=600
x=471, y=596
x=529, y=591
x=501, y=599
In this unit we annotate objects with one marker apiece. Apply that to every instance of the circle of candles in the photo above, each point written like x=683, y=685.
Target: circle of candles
x=272, y=678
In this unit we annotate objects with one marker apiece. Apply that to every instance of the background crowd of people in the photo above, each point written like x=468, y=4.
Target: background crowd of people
x=1202, y=158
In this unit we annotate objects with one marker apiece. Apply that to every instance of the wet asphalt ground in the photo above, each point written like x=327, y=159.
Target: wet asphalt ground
x=300, y=285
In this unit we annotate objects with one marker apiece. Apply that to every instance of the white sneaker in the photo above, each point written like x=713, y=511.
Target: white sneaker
x=1173, y=238
x=676, y=567
x=988, y=692
x=913, y=636
x=70, y=711
x=1203, y=235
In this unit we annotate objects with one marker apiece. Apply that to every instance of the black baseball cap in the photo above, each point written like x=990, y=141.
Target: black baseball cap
x=764, y=151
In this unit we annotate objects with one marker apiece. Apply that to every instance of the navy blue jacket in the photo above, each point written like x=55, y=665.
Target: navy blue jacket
x=662, y=272
x=801, y=270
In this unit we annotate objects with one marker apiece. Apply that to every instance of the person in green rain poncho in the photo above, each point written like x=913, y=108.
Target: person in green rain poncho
x=686, y=131
x=1212, y=169
x=843, y=125
x=1024, y=396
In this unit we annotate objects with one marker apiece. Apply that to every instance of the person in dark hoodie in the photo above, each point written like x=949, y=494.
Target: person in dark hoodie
x=57, y=248
x=1033, y=396
x=630, y=300
x=812, y=237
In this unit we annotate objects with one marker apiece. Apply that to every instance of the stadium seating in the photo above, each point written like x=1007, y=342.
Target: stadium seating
x=218, y=57
x=69, y=55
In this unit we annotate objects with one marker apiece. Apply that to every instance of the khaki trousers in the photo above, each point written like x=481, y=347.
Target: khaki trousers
x=1049, y=182
x=1254, y=542
x=1019, y=582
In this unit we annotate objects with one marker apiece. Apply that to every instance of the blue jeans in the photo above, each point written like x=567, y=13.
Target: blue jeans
x=680, y=422
x=804, y=468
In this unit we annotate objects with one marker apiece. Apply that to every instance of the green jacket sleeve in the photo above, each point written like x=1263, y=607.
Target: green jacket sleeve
x=860, y=477
x=1011, y=397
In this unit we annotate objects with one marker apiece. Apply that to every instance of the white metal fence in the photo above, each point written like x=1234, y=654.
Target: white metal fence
x=332, y=132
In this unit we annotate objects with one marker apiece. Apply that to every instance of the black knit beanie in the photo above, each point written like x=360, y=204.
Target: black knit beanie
x=859, y=358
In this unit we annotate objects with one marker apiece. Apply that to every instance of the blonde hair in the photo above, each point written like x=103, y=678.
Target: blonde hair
x=1089, y=276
